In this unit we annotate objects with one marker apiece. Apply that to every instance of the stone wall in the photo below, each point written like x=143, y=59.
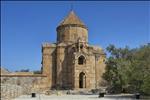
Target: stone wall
x=71, y=34
x=12, y=87
x=9, y=91
x=49, y=63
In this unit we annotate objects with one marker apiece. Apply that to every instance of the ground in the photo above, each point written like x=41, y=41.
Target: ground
x=76, y=97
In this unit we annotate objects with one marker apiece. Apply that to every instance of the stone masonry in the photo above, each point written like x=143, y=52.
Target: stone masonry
x=71, y=63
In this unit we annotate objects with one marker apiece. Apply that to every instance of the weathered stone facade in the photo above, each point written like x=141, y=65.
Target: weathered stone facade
x=71, y=63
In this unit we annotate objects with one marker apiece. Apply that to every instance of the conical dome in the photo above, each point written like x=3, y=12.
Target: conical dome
x=72, y=19
x=71, y=29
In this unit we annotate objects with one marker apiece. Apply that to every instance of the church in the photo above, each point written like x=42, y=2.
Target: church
x=71, y=63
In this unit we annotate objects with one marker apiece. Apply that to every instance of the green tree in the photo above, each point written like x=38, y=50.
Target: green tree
x=128, y=69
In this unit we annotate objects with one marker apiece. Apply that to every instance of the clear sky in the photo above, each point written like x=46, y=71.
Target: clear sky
x=26, y=25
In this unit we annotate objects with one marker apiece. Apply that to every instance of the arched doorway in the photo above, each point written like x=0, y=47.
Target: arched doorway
x=82, y=80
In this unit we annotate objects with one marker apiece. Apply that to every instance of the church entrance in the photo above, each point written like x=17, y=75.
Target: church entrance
x=82, y=80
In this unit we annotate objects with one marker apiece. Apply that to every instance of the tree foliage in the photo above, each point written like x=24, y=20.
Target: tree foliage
x=23, y=70
x=37, y=72
x=128, y=70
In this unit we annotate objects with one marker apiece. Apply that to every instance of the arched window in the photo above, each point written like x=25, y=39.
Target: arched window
x=81, y=46
x=81, y=60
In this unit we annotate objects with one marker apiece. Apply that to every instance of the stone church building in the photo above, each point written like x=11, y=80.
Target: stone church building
x=71, y=63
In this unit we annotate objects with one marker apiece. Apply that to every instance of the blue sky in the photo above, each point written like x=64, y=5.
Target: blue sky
x=26, y=25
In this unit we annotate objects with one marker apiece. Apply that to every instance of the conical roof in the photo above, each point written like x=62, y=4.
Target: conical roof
x=72, y=19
